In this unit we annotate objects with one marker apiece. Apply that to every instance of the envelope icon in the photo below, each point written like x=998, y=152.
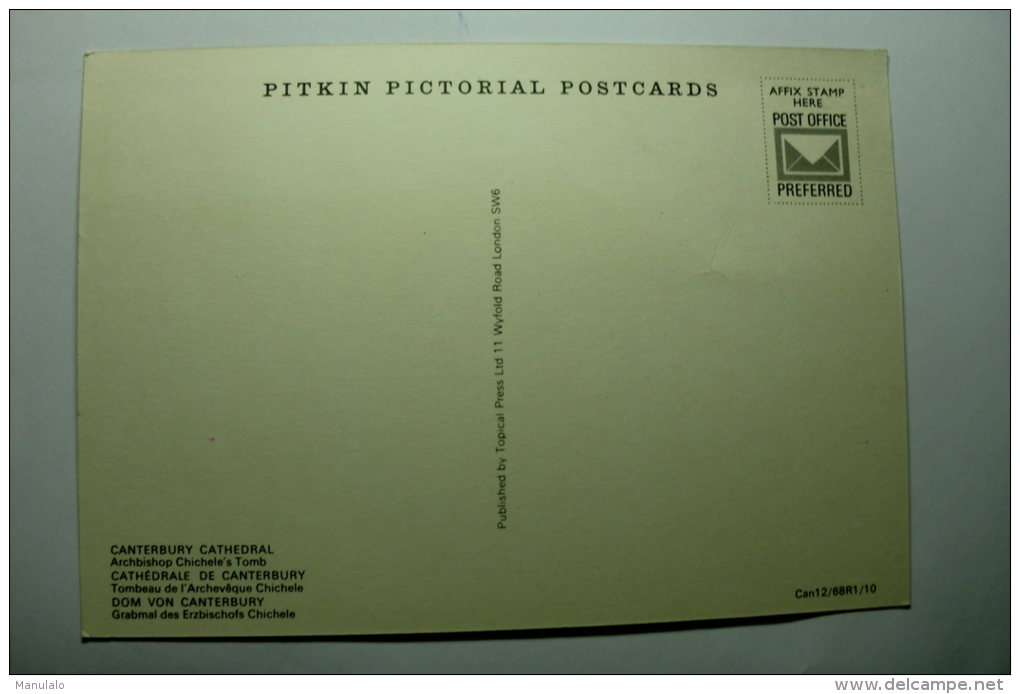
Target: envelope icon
x=811, y=154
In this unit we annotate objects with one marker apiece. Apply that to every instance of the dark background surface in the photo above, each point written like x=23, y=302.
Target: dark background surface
x=949, y=80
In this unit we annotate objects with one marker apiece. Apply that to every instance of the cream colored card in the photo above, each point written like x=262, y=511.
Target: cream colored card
x=384, y=339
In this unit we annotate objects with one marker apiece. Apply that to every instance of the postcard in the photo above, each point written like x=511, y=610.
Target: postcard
x=445, y=338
